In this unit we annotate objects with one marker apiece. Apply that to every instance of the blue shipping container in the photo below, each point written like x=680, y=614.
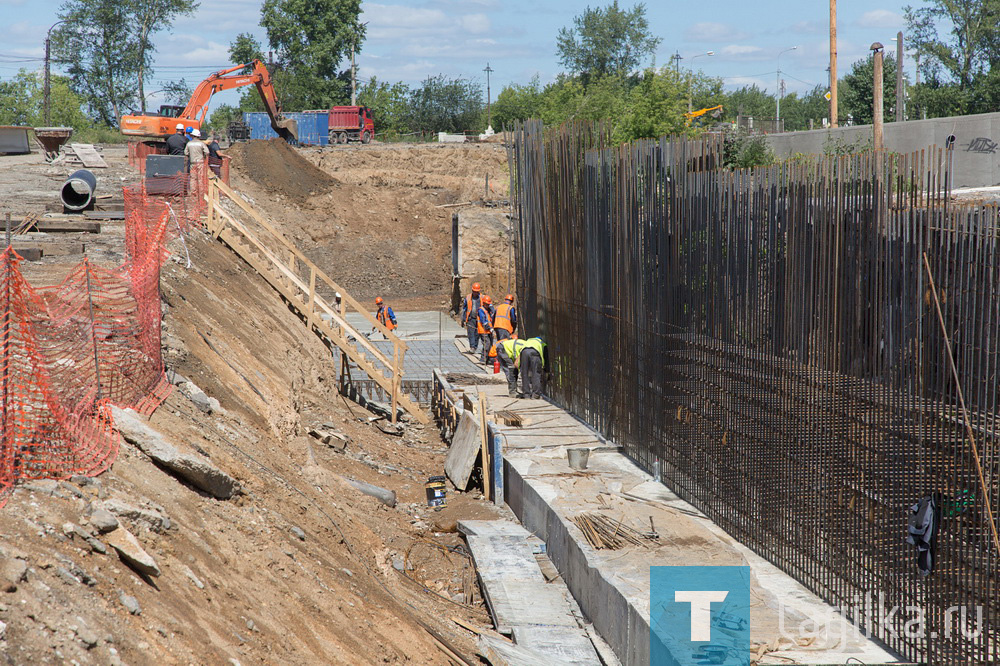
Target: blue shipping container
x=314, y=128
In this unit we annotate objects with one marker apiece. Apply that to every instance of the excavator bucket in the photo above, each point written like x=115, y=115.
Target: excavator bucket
x=287, y=129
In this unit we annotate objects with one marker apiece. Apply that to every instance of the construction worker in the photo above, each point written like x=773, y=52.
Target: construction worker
x=385, y=315
x=509, y=355
x=484, y=326
x=196, y=150
x=534, y=365
x=176, y=141
x=214, y=156
x=505, y=318
x=527, y=358
x=470, y=308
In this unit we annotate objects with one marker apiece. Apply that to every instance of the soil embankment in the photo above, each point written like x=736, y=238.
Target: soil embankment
x=299, y=568
x=375, y=224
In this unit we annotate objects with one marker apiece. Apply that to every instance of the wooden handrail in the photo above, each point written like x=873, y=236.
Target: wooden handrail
x=238, y=200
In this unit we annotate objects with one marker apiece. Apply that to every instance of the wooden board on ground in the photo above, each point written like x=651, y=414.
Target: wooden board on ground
x=104, y=214
x=29, y=253
x=62, y=225
x=88, y=155
x=465, y=446
x=52, y=249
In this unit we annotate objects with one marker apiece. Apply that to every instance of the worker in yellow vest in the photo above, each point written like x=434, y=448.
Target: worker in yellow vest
x=527, y=358
x=505, y=319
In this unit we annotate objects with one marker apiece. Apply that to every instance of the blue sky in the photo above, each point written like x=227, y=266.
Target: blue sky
x=411, y=39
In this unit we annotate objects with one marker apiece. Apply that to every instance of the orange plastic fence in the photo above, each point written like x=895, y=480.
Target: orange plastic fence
x=69, y=352
x=139, y=150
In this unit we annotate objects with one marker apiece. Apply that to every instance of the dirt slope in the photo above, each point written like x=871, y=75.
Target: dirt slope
x=302, y=570
x=375, y=227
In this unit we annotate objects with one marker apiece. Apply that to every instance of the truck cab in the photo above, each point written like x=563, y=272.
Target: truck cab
x=351, y=123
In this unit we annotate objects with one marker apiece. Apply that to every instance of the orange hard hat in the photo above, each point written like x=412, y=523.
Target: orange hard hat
x=378, y=300
x=475, y=286
x=487, y=300
x=510, y=297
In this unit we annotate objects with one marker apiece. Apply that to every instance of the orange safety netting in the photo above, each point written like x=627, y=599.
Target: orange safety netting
x=69, y=352
x=139, y=150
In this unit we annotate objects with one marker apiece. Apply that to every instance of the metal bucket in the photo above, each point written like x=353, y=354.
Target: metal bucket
x=578, y=458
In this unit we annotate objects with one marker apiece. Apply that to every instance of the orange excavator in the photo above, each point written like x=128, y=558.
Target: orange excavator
x=161, y=125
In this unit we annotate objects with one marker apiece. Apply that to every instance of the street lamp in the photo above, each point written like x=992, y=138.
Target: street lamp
x=48, y=40
x=690, y=78
x=777, y=90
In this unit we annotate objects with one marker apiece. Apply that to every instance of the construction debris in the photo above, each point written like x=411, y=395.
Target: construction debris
x=603, y=532
x=327, y=434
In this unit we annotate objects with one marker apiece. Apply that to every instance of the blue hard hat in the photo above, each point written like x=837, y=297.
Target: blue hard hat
x=189, y=129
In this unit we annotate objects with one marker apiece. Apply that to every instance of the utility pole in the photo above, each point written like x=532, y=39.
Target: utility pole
x=877, y=54
x=489, y=118
x=354, y=66
x=677, y=57
x=900, y=95
x=833, y=63
x=48, y=87
x=778, y=91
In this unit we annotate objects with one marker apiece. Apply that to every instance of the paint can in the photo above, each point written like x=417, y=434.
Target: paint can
x=437, y=491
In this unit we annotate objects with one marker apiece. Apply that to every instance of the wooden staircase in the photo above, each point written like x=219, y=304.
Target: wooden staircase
x=297, y=280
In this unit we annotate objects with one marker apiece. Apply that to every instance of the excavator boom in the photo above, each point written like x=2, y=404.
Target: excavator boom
x=195, y=113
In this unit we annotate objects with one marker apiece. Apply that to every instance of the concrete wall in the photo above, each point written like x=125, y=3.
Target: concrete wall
x=977, y=143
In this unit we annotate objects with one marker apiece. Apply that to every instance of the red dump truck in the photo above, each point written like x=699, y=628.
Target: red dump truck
x=351, y=123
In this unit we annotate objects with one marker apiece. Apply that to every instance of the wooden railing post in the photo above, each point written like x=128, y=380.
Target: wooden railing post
x=396, y=383
x=312, y=293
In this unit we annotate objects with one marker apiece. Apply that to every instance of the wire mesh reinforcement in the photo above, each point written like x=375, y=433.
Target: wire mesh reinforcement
x=69, y=352
x=766, y=342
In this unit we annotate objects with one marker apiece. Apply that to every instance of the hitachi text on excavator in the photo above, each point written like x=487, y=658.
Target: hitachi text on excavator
x=162, y=124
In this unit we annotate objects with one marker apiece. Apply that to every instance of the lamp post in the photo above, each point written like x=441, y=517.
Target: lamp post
x=354, y=67
x=777, y=89
x=48, y=41
x=690, y=78
x=489, y=119
x=900, y=93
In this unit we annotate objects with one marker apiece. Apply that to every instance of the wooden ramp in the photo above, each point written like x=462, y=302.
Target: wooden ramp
x=538, y=614
x=298, y=280
x=88, y=155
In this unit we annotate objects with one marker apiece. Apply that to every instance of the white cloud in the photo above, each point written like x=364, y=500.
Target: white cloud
x=742, y=51
x=713, y=32
x=477, y=24
x=880, y=18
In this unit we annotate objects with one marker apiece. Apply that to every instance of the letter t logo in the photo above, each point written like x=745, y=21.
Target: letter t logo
x=701, y=610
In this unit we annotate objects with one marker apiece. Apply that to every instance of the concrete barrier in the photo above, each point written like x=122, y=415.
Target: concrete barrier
x=976, y=152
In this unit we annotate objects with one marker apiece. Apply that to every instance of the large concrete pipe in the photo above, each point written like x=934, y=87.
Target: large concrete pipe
x=78, y=190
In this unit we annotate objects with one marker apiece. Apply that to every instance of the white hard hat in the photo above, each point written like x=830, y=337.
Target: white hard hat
x=179, y=126
x=337, y=295
x=196, y=132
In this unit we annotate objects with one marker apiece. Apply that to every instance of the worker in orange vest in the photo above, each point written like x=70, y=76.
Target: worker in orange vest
x=505, y=319
x=484, y=326
x=384, y=315
x=470, y=310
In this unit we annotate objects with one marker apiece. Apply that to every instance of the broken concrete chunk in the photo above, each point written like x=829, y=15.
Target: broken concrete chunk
x=199, y=473
x=197, y=396
x=328, y=435
x=156, y=521
x=194, y=579
x=12, y=571
x=132, y=554
x=297, y=531
x=103, y=521
x=131, y=604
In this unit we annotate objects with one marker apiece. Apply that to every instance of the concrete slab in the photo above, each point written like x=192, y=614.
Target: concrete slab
x=612, y=586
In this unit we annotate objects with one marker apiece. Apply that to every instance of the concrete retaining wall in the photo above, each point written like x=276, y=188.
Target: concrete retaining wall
x=976, y=153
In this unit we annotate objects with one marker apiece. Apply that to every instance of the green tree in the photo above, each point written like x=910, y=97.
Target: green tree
x=310, y=39
x=389, y=102
x=606, y=41
x=968, y=44
x=106, y=48
x=178, y=92
x=22, y=99
x=244, y=49
x=797, y=111
x=220, y=118
x=655, y=107
x=441, y=104
x=517, y=103
x=749, y=101
x=856, y=90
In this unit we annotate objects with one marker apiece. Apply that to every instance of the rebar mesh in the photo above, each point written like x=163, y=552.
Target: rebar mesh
x=766, y=341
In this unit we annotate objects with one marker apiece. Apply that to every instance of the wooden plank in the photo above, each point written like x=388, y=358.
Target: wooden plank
x=57, y=225
x=53, y=249
x=465, y=446
x=104, y=215
x=30, y=253
x=88, y=155
x=484, y=439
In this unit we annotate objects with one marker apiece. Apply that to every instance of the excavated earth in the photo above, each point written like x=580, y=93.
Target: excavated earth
x=299, y=568
x=376, y=217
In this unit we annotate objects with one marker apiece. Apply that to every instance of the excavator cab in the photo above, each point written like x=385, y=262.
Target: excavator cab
x=171, y=111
